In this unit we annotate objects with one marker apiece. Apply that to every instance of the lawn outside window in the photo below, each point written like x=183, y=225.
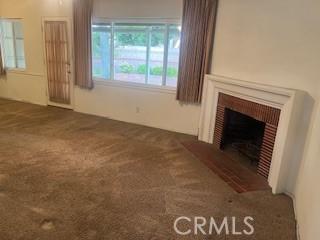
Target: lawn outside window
x=135, y=52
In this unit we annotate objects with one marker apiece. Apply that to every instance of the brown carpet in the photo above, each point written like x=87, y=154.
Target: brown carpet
x=66, y=175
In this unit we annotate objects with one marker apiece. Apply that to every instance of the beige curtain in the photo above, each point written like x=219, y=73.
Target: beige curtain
x=82, y=13
x=58, y=61
x=2, y=69
x=198, y=24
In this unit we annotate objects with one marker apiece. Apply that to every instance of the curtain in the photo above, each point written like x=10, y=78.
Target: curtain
x=58, y=61
x=197, y=34
x=2, y=69
x=82, y=13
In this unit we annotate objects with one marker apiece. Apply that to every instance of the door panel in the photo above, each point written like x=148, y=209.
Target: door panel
x=57, y=62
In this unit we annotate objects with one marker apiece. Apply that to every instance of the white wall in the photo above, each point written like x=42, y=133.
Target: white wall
x=138, y=8
x=273, y=42
x=277, y=42
x=24, y=87
x=155, y=108
x=307, y=191
x=138, y=105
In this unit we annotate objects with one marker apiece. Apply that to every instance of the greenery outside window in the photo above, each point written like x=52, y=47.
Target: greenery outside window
x=133, y=52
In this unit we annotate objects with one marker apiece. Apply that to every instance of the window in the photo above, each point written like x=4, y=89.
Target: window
x=101, y=51
x=12, y=43
x=133, y=52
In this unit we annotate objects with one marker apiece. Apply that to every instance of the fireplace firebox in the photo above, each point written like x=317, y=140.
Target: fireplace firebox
x=248, y=127
x=243, y=134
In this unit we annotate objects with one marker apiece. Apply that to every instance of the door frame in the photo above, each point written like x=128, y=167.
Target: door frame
x=70, y=49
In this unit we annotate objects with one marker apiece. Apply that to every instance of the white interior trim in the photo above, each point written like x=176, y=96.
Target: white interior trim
x=140, y=86
x=139, y=20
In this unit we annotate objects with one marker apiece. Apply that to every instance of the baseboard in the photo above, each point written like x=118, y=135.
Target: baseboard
x=295, y=213
x=24, y=101
x=192, y=133
x=116, y=119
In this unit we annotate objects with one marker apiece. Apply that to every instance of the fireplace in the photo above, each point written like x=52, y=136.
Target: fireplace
x=242, y=138
x=275, y=113
x=249, y=127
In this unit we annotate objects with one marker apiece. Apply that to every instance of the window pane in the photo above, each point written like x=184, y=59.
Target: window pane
x=20, y=54
x=156, y=55
x=9, y=53
x=130, y=50
x=138, y=52
x=7, y=29
x=13, y=44
x=18, y=33
x=101, y=50
x=173, y=55
x=8, y=45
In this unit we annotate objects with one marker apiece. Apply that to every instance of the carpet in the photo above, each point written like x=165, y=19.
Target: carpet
x=66, y=175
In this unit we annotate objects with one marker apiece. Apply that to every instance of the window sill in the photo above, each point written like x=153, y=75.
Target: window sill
x=16, y=70
x=133, y=85
x=22, y=71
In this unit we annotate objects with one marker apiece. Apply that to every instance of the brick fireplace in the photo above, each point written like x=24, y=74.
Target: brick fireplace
x=265, y=114
x=278, y=110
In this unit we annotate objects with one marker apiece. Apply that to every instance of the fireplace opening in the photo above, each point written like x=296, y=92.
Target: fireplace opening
x=242, y=138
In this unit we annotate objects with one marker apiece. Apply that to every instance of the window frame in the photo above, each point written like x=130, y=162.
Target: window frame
x=145, y=21
x=14, y=39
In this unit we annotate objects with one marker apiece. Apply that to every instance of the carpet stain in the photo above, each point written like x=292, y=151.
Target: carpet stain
x=47, y=225
x=38, y=210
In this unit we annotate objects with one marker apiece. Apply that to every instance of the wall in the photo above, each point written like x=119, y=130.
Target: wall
x=138, y=8
x=138, y=105
x=272, y=42
x=277, y=42
x=307, y=191
x=152, y=108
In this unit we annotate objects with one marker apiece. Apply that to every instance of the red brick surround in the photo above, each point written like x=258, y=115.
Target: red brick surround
x=260, y=112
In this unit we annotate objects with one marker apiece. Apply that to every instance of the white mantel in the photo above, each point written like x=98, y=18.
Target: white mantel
x=290, y=102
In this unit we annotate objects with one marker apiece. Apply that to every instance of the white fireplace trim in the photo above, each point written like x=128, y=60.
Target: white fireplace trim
x=289, y=101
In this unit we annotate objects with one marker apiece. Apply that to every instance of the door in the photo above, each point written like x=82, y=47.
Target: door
x=58, y=63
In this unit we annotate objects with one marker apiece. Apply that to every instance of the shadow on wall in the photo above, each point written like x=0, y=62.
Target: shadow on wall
x=301, y=135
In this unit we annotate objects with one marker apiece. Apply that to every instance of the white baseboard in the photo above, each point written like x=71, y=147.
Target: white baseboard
x=24, y=101
x=295, y=213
